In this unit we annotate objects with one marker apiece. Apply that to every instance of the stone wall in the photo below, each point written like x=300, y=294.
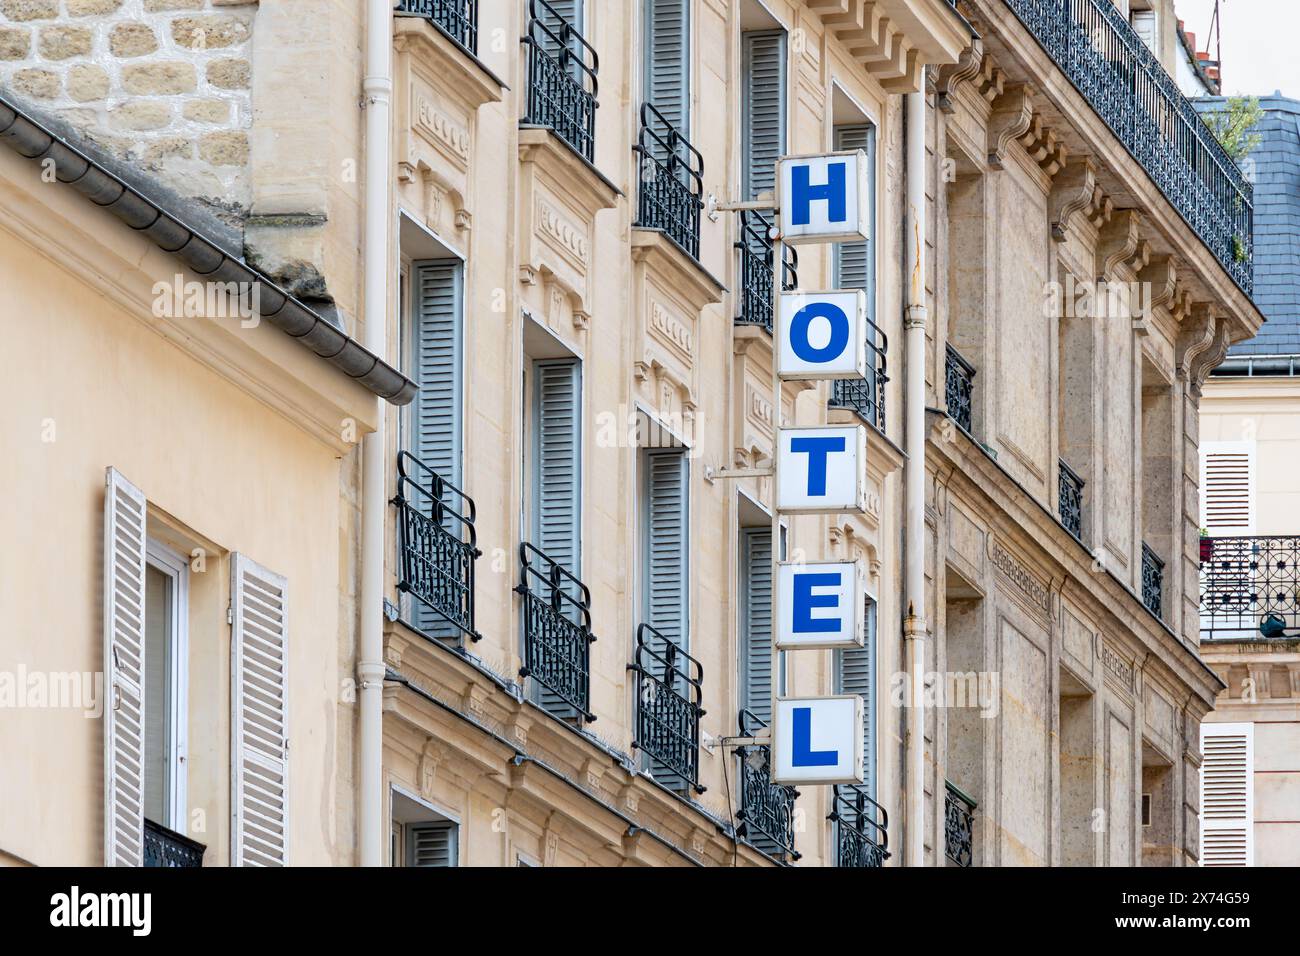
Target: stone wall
x=161, y=84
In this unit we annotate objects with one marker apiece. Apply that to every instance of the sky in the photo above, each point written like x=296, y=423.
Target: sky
x=1261, y=43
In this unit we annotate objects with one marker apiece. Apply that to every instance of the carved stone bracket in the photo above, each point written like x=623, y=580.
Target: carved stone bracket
x=1073, y=191
x=1013, y=113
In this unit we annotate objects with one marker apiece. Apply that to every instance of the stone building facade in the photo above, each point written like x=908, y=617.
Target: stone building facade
x=577, y=530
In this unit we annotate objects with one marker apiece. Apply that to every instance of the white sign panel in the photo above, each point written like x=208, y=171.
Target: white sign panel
x=822, y=335
x=821, y=470
x=821, y=605
x=818, y=740
x=825, y=198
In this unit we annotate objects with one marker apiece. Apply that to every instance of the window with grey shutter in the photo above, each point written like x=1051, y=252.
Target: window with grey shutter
x=855, y=673
x=554, y=15
x=667, y=60
x=557, y=461
x=556, y=512
x=762, y=108
x=431, y=844
x=756, y=623
x=665, y=543
x=855, y=261
x=434, y=434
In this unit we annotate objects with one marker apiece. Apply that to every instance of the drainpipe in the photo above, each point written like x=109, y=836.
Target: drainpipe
x=378, y=88
x=914, y=626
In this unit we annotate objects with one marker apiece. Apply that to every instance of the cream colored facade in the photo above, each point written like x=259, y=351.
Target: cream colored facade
x=1262, y=698
x=243, y=441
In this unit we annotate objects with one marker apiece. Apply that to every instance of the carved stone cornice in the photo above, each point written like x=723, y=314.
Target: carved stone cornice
x=1041, y=143
x=1161, y=274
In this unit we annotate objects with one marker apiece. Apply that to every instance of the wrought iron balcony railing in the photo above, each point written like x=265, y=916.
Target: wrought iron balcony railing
x=669, y=690
x=456, y=18
x=1250, y=586
x=557, y=634
x=959, y=826
x=562, y=69
x=1153, y=581
x=164, y=847
x=866, y=396
x=437, y=543
x=1070, y=505
x=766, y=814
x=960, y=388
x=1114, y=70
x=861, y=828
x=757, y=271
x=671, y=181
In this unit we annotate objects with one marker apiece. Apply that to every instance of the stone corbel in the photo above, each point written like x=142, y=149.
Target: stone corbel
x=1118, y=242
x=1013, y=112
x=1072, y=192
x=1161, y=274
x=1043, y=147
x=991, y=80
x=954, y=75
x=430, y=758
x=1196, y=338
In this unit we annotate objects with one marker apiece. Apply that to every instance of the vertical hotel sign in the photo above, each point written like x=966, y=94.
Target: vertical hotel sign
x=819, y=470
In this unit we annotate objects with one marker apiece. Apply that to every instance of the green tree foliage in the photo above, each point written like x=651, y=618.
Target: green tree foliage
x=1234, y=126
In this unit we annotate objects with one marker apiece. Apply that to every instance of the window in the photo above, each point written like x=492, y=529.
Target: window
x=756, y=623
x=555, y=473
x=1228, y=794
x=1144, y=24
x=762, y=109
x=664, y=541
x=432, y=426
x=166, y=657
x=1228, y=487
x=855, y=266
x=855, y=673
x=421, y=836
x=667, y=61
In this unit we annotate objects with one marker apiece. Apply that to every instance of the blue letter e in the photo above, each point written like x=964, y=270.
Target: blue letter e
x=805, y=601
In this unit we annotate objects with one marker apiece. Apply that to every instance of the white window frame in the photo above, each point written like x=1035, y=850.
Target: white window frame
x=176, y=567
x=397, y=828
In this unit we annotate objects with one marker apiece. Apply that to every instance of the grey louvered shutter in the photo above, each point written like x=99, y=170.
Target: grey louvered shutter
x=259, y=732
x=667, y=60
x=855, y=673
x=756, y=622
x=558, y=456
x=436, y=429
x=854, y=261
x=124, y=615
x=666, y=544
x=557, y=485
x=560, y=13
x=431, y=844
x=763, y=109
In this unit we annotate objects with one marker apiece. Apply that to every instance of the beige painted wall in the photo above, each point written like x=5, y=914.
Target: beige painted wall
x=224, y=472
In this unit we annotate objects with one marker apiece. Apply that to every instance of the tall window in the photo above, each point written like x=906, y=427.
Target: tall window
x=762, y=108
x=166, y=612
x=421, y=836
x=432, y=430
x=855, y=266
x=664, y=523
x=666, y=82
x=756, y=623
x=855, y=673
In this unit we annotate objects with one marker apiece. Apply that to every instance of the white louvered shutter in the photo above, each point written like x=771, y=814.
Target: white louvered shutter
x=756, y=623
x=667, y=61
x=259, y=731
x=431, y=844
x=763, y=109
x=124, y=616
x=855, y=673
x=1227, y=795
x=1228, y=487
x=436, y=425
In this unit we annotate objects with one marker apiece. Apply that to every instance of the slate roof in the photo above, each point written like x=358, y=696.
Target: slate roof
x=1277, y=225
